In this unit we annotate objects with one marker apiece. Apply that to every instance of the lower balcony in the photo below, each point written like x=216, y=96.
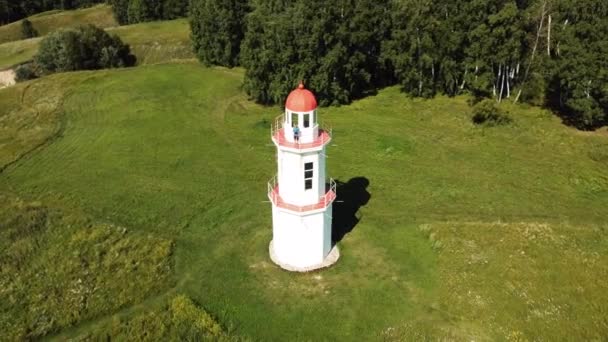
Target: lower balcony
x=323, y=202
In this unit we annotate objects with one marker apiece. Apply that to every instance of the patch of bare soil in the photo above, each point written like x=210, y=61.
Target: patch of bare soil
x=7, y=78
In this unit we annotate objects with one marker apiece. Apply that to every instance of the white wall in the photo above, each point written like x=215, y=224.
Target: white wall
x=301, y=241
x=291, y=176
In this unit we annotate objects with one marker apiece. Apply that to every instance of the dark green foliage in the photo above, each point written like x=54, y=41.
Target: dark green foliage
x=487, y=112
x=136, y=11
x=121, y=10
x=28, y=30
x=85, y=48
x=217, y=30
x=450, y=46
x=13, y=10
x=333, y=47
x=173, y=9
x=535, y=90
x=25, y=72
x=143, y=10
x=578, y=64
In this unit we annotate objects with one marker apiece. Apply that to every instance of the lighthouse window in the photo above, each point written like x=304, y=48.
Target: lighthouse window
x=306, y=120
x=294, y=119
x=308, y=176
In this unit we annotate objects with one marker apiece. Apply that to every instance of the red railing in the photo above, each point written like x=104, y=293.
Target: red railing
x=324, y=201
x=278, y=135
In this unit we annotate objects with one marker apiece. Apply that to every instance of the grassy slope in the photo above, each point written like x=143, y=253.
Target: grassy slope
x=151, y=42
x=29, y=116
x=100, y=15
x=14, y=53
x=176, y=150
x=159, y=41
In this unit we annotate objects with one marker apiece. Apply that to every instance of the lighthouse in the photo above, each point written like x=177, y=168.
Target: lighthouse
x=301, y=196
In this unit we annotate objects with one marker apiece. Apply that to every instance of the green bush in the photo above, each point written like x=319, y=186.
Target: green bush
x=533, y=92
x=28, y=30
x=488, y=113
x=85, y=48
x=25, y=72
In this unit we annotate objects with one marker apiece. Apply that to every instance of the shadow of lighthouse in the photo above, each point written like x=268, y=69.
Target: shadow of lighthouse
x=351, y=196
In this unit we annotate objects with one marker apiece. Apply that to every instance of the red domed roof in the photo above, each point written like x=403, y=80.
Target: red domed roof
x=301, y=100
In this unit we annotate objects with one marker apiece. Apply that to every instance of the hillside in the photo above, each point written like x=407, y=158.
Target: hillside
x=466, y=234
x=151, y=42
x=100, y=15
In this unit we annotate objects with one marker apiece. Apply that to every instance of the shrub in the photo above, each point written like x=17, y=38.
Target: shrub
x=28, y=30
x=533, y=92
x=85, y=48
x=488, y=113
x=25, y=72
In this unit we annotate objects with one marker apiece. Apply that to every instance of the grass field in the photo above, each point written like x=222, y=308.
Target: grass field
x=100, y=15
x=17, y=52
x=470, y=233
x=152, y=42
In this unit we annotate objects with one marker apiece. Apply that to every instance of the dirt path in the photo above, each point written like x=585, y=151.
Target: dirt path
x=7, y=78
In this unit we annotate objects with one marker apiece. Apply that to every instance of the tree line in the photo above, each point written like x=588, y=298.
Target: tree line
x=13, y=10
x=136, y=11
x=545, y=52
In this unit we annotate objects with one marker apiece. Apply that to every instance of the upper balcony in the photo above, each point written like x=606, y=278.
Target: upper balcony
x=323, y=202
x=277, y=133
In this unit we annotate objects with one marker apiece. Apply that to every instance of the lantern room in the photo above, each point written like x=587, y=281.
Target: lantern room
x=301, y=112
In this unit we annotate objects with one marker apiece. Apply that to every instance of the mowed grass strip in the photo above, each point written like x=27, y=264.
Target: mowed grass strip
x=99, y=15
x=177, y=150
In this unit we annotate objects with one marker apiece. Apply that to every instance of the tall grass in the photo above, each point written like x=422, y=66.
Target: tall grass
x=58, y=269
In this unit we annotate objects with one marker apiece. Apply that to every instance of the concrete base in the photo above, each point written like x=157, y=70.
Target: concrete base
x=330, y=259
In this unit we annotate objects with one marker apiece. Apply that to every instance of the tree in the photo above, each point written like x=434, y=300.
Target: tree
x=217, y=30
x=144, y=10
x=577, y=65
x=334, y=47
x=120, y=8
x=412, y=46
x=173, y=9
x=85, y=48
x=28, y=30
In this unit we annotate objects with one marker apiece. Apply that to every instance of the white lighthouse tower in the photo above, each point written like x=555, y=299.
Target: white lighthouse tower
x=301, y=196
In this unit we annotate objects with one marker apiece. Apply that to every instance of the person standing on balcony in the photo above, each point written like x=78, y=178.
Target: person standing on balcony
x=296, y=133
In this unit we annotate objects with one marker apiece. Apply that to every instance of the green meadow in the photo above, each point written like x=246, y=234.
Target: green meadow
x=470, y=232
